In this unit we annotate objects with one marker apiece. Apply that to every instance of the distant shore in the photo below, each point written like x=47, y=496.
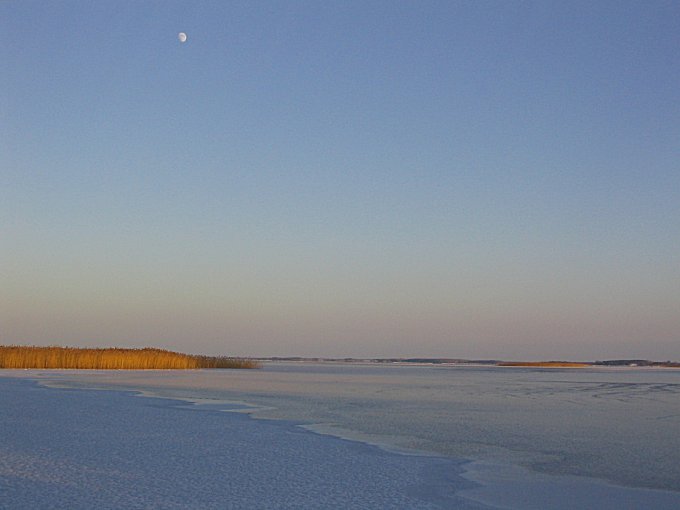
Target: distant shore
x=482, y=362
x=544, y=364
x=53, y=357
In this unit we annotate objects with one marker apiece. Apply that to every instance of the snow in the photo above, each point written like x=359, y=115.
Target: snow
x=513, y=487
x=78, y=449
x=161, y=440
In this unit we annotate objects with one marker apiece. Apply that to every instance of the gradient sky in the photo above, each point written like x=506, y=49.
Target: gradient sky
x=356, y=178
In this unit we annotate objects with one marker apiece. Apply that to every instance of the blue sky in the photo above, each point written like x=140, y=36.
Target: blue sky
x=464, y=179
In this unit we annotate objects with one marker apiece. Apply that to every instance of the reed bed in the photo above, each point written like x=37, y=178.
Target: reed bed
x=15, y=356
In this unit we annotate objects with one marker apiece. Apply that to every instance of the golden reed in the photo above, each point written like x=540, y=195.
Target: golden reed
x=544, y=364
x=16, y=356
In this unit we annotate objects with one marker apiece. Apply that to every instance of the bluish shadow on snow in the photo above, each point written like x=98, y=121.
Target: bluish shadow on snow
x=78, y=449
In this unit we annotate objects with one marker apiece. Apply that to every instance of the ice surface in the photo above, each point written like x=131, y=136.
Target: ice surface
x=539, y=438
x=81, y=449
x=617, y=425
x=513, y=487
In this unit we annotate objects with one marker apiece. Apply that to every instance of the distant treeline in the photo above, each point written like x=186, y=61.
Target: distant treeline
x=15, y=356
x=636, y=363
x=490, y=362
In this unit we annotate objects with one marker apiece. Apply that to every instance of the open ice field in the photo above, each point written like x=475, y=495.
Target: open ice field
x=341, y=436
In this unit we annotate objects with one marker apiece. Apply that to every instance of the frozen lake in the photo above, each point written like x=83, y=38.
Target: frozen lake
x=497, y=437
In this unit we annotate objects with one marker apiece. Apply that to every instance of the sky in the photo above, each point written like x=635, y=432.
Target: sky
x=477, y=179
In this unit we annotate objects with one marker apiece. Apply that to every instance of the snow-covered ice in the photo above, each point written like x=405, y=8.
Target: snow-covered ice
x=83, y=449
x=475, y=438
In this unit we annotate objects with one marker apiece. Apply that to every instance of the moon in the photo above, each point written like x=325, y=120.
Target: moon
x=182, y=37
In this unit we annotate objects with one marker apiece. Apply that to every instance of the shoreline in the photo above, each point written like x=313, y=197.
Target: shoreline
x=625, y=364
